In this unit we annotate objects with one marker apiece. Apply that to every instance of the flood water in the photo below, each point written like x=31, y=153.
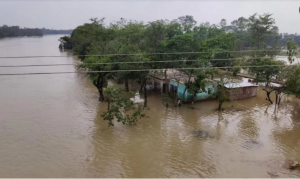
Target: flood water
x=50, y=126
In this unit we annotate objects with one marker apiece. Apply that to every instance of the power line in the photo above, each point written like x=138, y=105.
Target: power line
x=135, y=62
x=110, y=71
x=138, y=54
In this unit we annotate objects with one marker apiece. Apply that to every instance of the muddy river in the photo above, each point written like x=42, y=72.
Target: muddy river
x=50, y=126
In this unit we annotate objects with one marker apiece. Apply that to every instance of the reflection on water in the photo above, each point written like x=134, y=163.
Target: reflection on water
x=51, y=127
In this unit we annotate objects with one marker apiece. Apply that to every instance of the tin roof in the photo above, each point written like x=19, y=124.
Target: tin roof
x=235, y=83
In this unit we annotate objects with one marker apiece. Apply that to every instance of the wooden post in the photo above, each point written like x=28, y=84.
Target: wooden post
x=161, y=86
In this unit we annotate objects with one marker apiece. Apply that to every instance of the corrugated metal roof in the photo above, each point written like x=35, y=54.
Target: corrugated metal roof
x=234, y=83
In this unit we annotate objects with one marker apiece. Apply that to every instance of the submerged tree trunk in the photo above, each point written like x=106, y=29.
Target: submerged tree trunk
x=108, y=104
x=126, y=84
x=176, y=95
x=268, y=95
x=167, y=87
x=220, y=106
x=256, y=76
x=193, y=98
x=278, y=97
x=166, y=82
x=99, y=85
x=141, y=87
x=185, y=87
x=145, y=95
x=101, y=95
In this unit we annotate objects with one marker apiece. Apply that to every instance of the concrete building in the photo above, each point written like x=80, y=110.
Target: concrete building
x=187, y=97
x=240, y=89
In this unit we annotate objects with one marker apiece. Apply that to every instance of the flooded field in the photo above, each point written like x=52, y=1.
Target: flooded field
x=51, y=127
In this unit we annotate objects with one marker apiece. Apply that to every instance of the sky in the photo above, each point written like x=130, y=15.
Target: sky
x=68, y=14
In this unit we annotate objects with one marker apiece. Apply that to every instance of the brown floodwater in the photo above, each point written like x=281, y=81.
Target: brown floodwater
x=50, y=126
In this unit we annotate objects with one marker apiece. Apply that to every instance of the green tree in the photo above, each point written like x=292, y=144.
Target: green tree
x=99, y=79
x=261, y=30
x=265, y=69
x=121, y=108
x=293, y=81
x=291, y=50
x=197, y=86
x=65, y=43
x=259, y=27
x=218, y=47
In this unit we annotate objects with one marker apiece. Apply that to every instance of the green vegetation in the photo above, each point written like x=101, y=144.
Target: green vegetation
x=265, y=69
x=293, y=81
x=291, y=50
x=120, y=107
x=145, y=42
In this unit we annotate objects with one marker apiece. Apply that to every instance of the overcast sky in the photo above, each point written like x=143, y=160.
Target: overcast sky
x=66, y=14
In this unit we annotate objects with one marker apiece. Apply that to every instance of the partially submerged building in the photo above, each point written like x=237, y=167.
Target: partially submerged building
x=240, y=89
x=209, y=94
x=237, y=88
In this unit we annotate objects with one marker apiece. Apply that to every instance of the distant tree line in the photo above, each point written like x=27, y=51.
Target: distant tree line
x=16, y=31
x=56, y=31
x=290, y=37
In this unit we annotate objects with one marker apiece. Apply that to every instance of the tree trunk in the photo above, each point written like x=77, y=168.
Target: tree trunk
x=167, y=87
x=126, y=84
x=220, y=106
x=101, y=95
x=141, y=85
x=100, y=87
x=194, y=97
x=176, y=94
x=276, y=99
x=256, y=79
x=268, y=95
x=166, y=82
x=185, y=87
x=145, y=95
x=279, y=101
x=108, y=104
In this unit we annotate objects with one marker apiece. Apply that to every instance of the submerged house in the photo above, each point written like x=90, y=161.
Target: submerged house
x=237, y=88
x=187, y=96
x=241, y=89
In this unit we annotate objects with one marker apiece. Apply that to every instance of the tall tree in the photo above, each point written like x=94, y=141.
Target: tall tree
x=260, y=26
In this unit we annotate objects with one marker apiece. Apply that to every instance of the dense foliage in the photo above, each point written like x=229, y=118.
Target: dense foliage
x=293, y=81
x=121, y=108
x=217, y=46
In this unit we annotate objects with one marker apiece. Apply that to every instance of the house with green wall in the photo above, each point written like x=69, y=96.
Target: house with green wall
x=212, y=87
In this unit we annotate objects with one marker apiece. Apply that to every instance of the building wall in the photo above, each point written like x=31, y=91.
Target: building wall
x=187, y=97
x=242, y=93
